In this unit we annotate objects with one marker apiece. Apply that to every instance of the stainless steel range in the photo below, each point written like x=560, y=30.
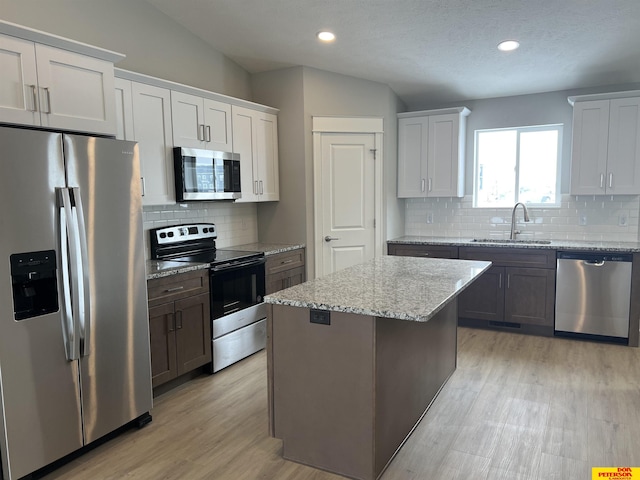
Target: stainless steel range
x=237, y=286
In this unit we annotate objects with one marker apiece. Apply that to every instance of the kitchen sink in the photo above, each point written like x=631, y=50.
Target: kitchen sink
x=508, y=240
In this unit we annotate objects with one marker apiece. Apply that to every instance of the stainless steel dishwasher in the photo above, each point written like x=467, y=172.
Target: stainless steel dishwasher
x=593, y=294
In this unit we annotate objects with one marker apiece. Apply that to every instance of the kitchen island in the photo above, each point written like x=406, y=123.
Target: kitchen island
x=356, y=357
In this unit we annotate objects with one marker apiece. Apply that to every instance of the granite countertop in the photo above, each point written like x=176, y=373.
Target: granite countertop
x=569, y=245
x=163, y=268
x=269, y=248
x=404, y=288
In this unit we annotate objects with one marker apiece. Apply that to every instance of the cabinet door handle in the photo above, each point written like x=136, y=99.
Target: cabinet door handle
x=48, y=95
x=179, y=320
x=602, y=180
x=422, y=183
x=499, y=281
x=34, y=95
x=174, y=289
x=201, y=132
x=509, y=280
x=208, y=133
x=143, y=185
x=261, y=190
x=430, y=182
x=611, y=180
x=171, y=323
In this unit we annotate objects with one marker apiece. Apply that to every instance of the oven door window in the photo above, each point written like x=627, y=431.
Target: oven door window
x=236, y=289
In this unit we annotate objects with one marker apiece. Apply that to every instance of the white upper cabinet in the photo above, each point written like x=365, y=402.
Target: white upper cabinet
x=605, y=156
x=70, y=91
x=431, y=153
x=255, y=138
x=124, y=110
x=200, y=122
x=152, y=130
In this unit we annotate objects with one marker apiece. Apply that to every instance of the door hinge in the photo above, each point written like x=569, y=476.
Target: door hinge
x=373, y=150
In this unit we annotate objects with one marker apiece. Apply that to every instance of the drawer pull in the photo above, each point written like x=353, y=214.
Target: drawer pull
x=174, y=289
x=286, y=261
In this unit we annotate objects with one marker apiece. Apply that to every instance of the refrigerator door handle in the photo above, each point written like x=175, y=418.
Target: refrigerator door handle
x=68, y=327
x=84, y=318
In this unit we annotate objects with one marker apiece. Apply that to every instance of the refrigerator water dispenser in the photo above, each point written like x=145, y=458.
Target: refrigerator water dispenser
x=33, y=279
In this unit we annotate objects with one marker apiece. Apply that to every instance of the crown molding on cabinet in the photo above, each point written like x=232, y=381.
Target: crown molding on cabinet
x=37, y=36
x=603, y=96
x=463, y=111
x=179, y=87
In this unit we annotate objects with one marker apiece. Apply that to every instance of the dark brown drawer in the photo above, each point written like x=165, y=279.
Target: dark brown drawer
x=174, y=287
x=431, y=251
x=285, y=261
x=511, y=257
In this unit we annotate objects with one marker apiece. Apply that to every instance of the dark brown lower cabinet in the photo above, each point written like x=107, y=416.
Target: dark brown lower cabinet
x=517, y=293
x=179, y=329
x=284, y=270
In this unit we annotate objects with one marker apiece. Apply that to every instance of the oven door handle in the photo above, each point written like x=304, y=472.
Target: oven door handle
x=233, y=265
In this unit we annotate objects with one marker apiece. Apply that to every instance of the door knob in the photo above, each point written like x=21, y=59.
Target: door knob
x=328, y=238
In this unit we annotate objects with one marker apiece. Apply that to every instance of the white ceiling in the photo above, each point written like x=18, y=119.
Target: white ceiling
x=430, y=50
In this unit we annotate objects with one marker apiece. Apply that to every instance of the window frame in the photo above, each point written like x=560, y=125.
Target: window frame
x=559, y=127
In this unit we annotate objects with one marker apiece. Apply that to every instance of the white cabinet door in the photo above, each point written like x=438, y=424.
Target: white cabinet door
x=200, y=122
x=255, y=138
x=217, y=122
x=623, y=158
x=76, y=91
x=124, y=110
x=444, y=162
x=244, y=136
x=18, y=82
x=187, y=117
x=412, y=156
x=267, y=157
x=589, y=147
x=152, y=131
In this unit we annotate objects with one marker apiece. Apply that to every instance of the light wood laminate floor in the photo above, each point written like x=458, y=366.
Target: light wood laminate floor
x=517, y=407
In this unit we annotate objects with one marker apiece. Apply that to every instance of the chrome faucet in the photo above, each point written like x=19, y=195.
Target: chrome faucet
x=514, y=232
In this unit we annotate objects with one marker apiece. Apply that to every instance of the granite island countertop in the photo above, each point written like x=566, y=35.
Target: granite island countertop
x=567, y=245
x=404, y=288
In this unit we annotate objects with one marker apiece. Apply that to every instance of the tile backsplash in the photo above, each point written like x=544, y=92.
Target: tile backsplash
x=583, y=217
x=236, y=223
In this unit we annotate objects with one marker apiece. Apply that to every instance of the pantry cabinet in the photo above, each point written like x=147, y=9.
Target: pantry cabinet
x=255, y=138
x=179, y=325
x=605, y=157
x=51, y=87
x=200, y=122
x=431, y=151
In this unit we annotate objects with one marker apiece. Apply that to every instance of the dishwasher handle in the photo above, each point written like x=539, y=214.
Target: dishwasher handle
x=595, y=258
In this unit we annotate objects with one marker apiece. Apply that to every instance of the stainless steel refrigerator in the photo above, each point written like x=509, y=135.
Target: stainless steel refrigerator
x=74, y=332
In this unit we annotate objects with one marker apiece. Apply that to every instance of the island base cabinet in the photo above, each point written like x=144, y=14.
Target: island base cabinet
x=343, y=397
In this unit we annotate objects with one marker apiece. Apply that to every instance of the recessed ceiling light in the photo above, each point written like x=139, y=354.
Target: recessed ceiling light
x=508, y=45
x=326, y=36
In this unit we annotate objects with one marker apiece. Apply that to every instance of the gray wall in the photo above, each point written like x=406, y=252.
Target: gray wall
x=301, y=93
x=154, y=44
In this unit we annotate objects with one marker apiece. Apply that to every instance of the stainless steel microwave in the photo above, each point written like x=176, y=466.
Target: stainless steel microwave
x=206, y=175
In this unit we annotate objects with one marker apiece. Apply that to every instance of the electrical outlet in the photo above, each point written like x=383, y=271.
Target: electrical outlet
x=583, y=219
x=623, y=221
x=429, y=217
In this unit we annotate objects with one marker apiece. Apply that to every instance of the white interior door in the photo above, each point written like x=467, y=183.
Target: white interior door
x=348, y=200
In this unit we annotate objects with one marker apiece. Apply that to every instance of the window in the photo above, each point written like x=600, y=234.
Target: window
x=518, y=165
